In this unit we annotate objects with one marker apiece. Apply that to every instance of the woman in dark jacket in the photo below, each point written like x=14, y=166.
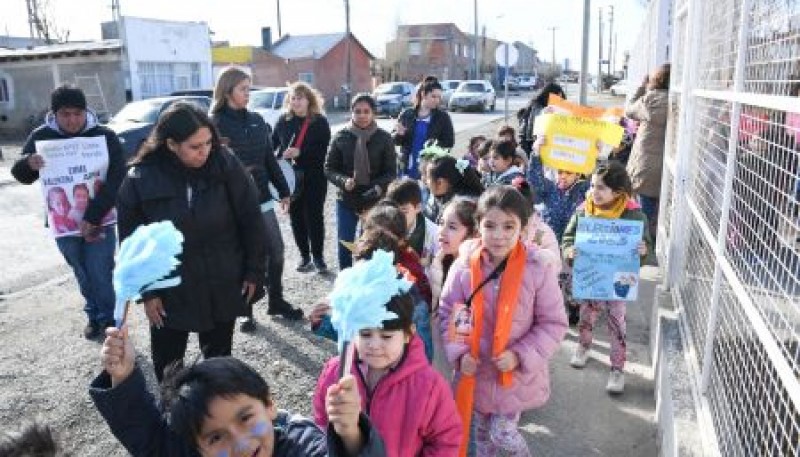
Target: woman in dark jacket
x=526, y=116
x=361, y=162
x=184, y=175
x=422, y=123
x=302, y=136
x=248, y=136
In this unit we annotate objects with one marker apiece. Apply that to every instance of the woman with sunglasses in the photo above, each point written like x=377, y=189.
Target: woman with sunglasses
x=361, y=162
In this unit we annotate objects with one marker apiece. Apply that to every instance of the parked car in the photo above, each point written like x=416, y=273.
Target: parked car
x=622, y=88
x=527, y=82
x=474, y=94
x=268, y=102
x=202, y=92
x=513, y=83
x=393, y=97
x=449, y=86
x=134, y=121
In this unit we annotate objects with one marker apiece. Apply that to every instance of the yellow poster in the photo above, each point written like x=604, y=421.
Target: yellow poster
x=571, y=141
x=560, y=106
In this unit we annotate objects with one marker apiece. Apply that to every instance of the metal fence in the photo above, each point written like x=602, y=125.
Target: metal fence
x=729, y=232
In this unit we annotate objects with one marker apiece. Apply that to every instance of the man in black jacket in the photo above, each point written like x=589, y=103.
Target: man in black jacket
x=89, y=249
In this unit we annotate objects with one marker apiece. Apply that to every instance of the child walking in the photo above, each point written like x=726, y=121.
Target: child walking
x=501, y=164
x=610, y=198
x=410, y=404
x=501, y=317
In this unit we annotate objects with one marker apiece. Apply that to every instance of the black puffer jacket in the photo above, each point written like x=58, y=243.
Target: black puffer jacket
x=382, y=166
x=440, y=129
x=249, y=138
x=315, y=144
x=216, y=209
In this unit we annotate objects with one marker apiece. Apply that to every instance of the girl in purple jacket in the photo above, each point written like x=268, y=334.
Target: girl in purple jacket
x=408, y=401
x=516, y=321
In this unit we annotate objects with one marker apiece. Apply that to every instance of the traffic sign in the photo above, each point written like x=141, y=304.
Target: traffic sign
x=506, y=55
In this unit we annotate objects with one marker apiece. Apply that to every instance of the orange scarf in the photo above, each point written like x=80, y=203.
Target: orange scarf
x=613, y=212
x=510, y=283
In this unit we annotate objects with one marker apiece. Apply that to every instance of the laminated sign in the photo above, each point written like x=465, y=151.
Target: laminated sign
x=571, y=141
x=74, y=172
x=607, y=260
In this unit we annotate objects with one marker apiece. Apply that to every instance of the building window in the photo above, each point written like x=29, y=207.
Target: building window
x=5, y=93
x=467, y=50
x=307, y=78
x=414, y=48
x=458, y=49
x=162, y=78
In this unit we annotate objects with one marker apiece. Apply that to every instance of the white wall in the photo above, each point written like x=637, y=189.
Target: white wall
x=151, y=40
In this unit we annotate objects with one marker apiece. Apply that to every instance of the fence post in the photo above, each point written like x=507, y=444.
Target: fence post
x=727, y=194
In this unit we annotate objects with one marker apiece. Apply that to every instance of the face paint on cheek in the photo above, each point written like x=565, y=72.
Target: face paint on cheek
x=223, y=454
x=261, y=428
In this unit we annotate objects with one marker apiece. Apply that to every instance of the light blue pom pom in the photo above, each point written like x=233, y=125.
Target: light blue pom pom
x=144, y=260
x=360, y=295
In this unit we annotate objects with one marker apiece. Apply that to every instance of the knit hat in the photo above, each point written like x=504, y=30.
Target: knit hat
x=67, y=96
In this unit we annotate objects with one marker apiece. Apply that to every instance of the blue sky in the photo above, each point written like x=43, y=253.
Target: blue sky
x=372, y=21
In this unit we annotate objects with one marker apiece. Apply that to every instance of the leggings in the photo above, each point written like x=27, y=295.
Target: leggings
x=590, y=309
x=307, y=215
x=168, y=346
x=496, y=433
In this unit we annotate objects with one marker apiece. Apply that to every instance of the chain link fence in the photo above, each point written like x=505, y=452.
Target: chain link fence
x=729, y=233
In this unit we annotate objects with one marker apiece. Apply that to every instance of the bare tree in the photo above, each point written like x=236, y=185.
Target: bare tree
x=43, y=23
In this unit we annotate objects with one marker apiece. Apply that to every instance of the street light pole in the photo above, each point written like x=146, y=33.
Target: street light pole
x=347, y=44
x=600, y=53
x=553, y=29
x=610, y=36
x=279, y=19
x=585, y=52
x=475, y=43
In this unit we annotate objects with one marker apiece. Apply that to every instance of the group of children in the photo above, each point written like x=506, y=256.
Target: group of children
x=467, y=353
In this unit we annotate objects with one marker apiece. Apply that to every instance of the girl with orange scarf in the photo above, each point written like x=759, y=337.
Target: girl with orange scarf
x=501, y=317
x=609, y=197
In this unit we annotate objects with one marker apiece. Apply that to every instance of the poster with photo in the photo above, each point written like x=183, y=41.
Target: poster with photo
x=607, y=261
x=74, y=172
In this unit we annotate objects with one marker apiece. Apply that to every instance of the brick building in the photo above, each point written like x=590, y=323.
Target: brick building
x=441, y=50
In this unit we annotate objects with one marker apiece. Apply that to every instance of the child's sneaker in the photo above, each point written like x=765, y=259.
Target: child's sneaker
x=616, y=381
x=579, y=357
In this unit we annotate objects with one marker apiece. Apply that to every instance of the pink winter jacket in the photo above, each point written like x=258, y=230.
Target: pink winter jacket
x=540, y=236
x=540, y=324
x=412, y=406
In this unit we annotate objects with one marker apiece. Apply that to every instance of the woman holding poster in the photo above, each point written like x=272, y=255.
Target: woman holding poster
x=647, y=154
x=185, y=176
x=608, y=198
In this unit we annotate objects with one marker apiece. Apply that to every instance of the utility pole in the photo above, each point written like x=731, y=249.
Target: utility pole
x=280, y=32
x=475, y=42
x=610, y=36
x=585, y=52
x=600, y=53
x=347, y=43
x=553, y=29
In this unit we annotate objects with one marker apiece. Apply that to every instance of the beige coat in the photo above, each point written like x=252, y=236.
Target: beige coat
x=647, y=155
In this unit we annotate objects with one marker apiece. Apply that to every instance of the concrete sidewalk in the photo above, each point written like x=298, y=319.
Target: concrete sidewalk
x=581, y=418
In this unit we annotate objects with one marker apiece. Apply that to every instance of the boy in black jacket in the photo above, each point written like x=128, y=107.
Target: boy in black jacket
x=220, y=407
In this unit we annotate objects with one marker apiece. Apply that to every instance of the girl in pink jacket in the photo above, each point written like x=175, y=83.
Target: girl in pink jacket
x=502, y=317
x=407, y=400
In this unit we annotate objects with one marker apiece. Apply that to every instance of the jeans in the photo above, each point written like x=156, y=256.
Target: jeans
x=93, y=264
x=307, y=215
x=275, y=251
x=422, y=321
x=346, y=222
x=650, y=209
x=168, y=346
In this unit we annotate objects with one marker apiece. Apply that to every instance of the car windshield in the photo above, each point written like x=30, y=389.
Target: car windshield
x=453, y=84
x=262, y=100
x=389, y=89
x=145, y=111
x=470, y=87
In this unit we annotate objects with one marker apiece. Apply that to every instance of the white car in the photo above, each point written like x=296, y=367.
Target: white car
x=527, y=82
x=448, y=87
x=622, y=88
x=473, y=94
x=268, y=102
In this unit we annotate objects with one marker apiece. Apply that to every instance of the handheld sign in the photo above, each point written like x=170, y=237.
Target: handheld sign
x=607, y=261
x=571, y=141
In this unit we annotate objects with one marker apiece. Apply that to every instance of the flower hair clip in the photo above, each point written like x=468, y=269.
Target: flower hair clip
x=433, y=151
x=461, y=165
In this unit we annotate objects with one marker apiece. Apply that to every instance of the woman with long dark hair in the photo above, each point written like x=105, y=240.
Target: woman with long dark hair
x=422, y=123
x=361, y=162
x=184, y=175
x=248, y=136
x=302, y=135
x=528, y=114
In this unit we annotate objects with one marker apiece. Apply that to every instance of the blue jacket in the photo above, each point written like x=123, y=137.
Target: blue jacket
x=130, y=411
x=559, y=205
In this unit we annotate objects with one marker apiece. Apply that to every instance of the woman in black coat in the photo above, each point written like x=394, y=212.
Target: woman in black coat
x=422, y=123
x=361, y=162
x=184, y=175
x=527, y=115
x=248, y=136
x=302, y=136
